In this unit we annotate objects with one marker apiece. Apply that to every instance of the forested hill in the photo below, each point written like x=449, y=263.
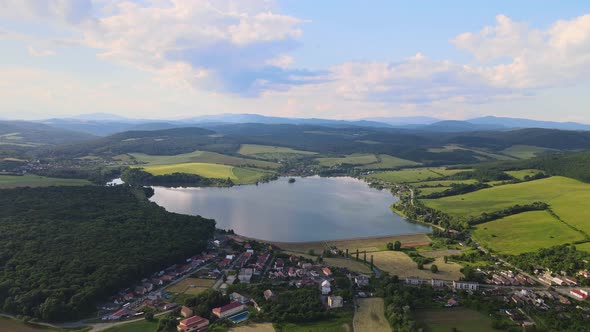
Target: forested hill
x=62, y=249
x=30, y=134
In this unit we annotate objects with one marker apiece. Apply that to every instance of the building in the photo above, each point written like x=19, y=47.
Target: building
x=335, y=302
x=326, y=287
x=361, y=280
x=237, y=297
x=194, y=323
x=327, y=272
x=245, y=275
x=579, y=294
x=413, y=281
x=437, y=283
x=279, y=264
x=471, y=286
x=269, y=295
x=186, y=312
x=228, y=310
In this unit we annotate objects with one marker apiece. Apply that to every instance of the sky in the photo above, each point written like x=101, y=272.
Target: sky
x=335, y=59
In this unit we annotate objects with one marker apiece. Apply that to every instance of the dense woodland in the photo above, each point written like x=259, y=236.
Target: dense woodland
x=138, y=177
x=62, y=249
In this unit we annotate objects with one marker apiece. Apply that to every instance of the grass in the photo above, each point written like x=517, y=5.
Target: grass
x=400, y=264
x=29, y=180
x=584, y=247
x=525, y=232
x=362, y=244
x=389, y=162
x=342, y=323
x=525, y=151
x=191, y=286
x=238, y=175
x=480, y=154
x=428, y=191
x=258, y=327
x=567, y=198
x=271, y=152
x=413, y=175
x=350, y=264
x=370, y=316
x=13, y=325
x=453, y=319
x=139, y=326
x=520, y=174
x=353, y=159
x=202, y=157
x=444, y=183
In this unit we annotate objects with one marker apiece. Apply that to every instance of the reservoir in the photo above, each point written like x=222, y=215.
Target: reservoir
x=310, y=209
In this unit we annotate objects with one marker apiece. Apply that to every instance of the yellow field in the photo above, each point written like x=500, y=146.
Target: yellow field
x=260, y=327
x=192, y=286
x=202, y=157
x=237, y=174
x=349, y=264
x=370, y=316
x=398, y=263
x=254, y=149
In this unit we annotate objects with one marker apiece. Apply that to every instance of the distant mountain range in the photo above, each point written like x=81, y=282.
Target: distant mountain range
x=103, y=124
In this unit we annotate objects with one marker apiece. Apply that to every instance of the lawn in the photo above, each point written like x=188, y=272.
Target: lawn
x=202, y=157
x=525, y=151
x=520, y=174
x=567, y=197
x=349, y=264
x=525, y=232
x=389, y=162
x=192, y=286
x=400, y=264
x=413, y=175
x=353, y=159
x=236, y=174
x=584, y=247
x=259, y=327
x=271, y=152
x=343, y=323
x=139, y=326
x=428, y=191
x=30, y=180
x=454, y=319
x=370, y=316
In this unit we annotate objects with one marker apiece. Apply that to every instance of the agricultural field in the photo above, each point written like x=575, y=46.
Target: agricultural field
x=428, y=191
x=443, y=183
x=236, y=174
x=30, y=180
x=520, y=174
x=202, y=157
x=370, y=316
x=413, y=175
x=268, y=152
x=339, y=324
x=362, y=244
x=349, y=264
x=191, y=286
x=389, y=162
x=480, y=154
x=566, y=196
x=400, y=264
x=584, y=247
x=526, y=151
x=12, y=325
x=258, y=327
x=453, y=319
x=353, y=159
x=525, y=232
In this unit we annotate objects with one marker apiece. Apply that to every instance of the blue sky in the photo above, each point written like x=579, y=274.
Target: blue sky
x=328, y=59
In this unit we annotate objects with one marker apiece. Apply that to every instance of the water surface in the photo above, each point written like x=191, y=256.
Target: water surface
x=311, y=209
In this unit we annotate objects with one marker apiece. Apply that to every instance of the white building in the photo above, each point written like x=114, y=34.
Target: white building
x=335, y=302
x=437, y=283
x=472, y=286
x=413, y=281
x=326, y=287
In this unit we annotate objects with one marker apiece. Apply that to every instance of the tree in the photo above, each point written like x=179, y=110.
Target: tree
x=446, y=258
x=433, y=268
x=372, y=265
x=149, y=316
x=389, y=245
x=420, y=265
x=397, y=246
x=311, y=252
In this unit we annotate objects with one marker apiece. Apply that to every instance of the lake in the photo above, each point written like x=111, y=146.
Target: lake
x=311, y=209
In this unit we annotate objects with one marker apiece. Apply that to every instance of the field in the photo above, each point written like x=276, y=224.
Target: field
x=520, y=174
x=202, y=157
x=584, y=247
x=455, y=319
x=11, y=325
x=525, y=232
x=428, y=191
x=259, y=327
x=525, y=151
x=480, y=154
x=236, y=174
x=191, y=286
x=400, y=264
x=13, y=181
x=368, y=244
x=139, y=326
x=370, y=316
x=271, y=152
x=349, y=264
x=444, y=183
x=413, y=175
x=353, y=159
x=567, y=198
x=340, y=324
x=389, y=162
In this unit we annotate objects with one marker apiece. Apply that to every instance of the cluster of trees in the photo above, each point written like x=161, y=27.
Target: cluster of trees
x=457, y=189
x=482, y=174
x=560, y=258
x=204, y=302
x=516, y=209
x=96, y=175
x=62, y=249
x=397, y=246
x=138, y=177
x=401, y=302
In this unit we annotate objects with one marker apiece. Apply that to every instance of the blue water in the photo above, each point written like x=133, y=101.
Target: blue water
x=239, y=317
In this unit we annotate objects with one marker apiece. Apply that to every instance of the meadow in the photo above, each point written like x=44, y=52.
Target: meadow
x=362, y=244
x=453, y=319
x=191, y=286
x=271, y=152
x=390, y=162
x=349, y=264
x=343, y=323
x=353, y=159
x=526, y=151
x=30, y=180
x=525, y=232
x=237, y=174
x=370, y=316
x=400, y=264
x=202, y=157
x=480, y=154
x=139, y=326
x=12, y=325
x=258, y=327
x=413, y=175
x=521, y=174
x=566, y=197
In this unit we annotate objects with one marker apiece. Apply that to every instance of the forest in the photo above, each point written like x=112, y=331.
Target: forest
x=47, y=233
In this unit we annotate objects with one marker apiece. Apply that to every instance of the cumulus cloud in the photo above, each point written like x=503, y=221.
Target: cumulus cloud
x=72, y=11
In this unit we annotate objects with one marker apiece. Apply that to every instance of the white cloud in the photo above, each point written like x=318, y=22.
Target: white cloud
x=40, y=52
x=59, y=10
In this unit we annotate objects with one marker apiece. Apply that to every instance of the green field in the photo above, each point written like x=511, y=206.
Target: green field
x=271, y=152
x=29, y=180
x=453, y=319
x=12, y=325
x=413, y=175
x=520, y=174
x=526, y=151
x=237, y=174
x=567, y=198
x=480, y=154
x=427, y=191
x=139, y=326
x=389, y=162
x=353, y=159
x=525, y=232
x=202, y=157
x=584, y=247
x=444, y=183
x=339, y=324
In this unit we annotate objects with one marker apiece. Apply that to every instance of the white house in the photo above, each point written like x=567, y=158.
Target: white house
x=437, y=283
x=326, y=287
x=472, y=286
x=335, y=302
x=413, y=281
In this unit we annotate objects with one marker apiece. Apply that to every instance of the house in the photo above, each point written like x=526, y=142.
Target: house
x=262, y=260
x=279, y=264
x=452, y=303
x=245, y=275
x=437, y=283
x=471, y=286
x=571, y=281
x=335, y=302
x=169, y=306
x=119, y=314
x=361, y=280
x=306, y=266
x=584, y=273
x=194, y=323
x=579, y=294
x=303, y=283
x=217, y=243
x=228, y=310
x=326, y=287
x=326, y=271
x=186, y=312
x=413, y=281
x=558, y=281
x=269, y=295
x=236, y=297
